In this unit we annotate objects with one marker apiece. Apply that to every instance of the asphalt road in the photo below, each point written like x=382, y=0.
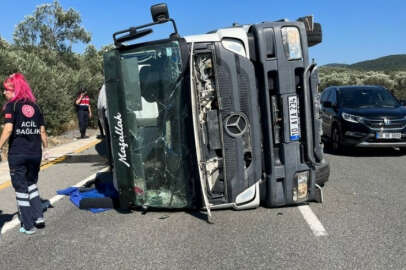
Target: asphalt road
x=364, y=215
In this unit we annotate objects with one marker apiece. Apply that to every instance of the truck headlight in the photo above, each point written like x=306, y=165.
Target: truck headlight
x=351, y=118
x=300, y=191
x=291, y=42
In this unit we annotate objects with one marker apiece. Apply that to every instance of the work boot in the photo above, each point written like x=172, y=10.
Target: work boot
x=39, y=223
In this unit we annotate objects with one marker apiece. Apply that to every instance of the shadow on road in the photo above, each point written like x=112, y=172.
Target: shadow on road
x=199, y=215
x=84, y=159
x=4, y=218
x=98, y=159
x=367, y=152
x=101, y=147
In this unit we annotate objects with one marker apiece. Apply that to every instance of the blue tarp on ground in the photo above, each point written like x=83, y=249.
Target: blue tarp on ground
x=105, y=190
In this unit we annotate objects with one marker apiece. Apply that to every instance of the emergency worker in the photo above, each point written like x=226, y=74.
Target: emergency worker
x=84, y=111
x=25, y=130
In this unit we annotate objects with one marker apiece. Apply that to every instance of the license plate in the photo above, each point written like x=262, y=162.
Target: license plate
x=385, y=135
x=294, y=121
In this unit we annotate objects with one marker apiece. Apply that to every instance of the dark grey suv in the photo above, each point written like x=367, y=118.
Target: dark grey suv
x=362, y=116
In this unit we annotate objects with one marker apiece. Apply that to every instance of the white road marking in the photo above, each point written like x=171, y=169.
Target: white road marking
x=16, y=222
x=312, y=220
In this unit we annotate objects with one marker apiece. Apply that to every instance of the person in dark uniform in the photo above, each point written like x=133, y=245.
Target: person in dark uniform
x=24, y=129
x=84, y=111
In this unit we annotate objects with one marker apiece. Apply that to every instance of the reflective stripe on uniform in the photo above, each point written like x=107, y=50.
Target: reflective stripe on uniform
x=32, y=187
x=23, y=203
x=22, y=195
x=34, y=194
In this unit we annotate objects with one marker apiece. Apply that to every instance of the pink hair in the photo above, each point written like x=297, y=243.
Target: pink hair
x=18, y=84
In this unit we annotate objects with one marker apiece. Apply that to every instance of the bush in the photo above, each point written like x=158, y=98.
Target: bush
x=395, y=81
x=55, y=86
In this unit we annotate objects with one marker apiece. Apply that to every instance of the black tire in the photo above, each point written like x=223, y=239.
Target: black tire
x=336, y=141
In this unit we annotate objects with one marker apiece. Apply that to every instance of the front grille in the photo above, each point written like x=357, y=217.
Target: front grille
x=385, y=124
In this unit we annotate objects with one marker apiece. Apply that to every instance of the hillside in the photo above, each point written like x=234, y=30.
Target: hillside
x=390, y=62
x=334, y=65
x=386, y=63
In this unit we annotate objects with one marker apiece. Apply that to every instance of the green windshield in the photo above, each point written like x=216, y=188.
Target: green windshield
x=156, y=114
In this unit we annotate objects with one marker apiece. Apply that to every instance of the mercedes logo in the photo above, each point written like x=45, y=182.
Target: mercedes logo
x=236, y=124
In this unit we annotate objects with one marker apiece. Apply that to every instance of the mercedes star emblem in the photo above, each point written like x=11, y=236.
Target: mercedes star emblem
x=236, y=124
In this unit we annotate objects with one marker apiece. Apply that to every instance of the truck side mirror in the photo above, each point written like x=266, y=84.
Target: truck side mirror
x=313, y=30
x=314, y=37
x=159, y=12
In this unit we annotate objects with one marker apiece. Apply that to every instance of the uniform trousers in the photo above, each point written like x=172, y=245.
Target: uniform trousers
x=83, y=117
x=24, y=169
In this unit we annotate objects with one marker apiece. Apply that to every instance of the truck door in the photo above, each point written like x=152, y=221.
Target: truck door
x=148, y=116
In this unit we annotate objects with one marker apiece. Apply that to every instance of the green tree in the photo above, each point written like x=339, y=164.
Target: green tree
x=3, y=44
x=51, y=28
x=92, y=60
x=400, y=84
x=50, y=84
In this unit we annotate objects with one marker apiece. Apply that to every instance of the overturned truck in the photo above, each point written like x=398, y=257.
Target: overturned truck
x=225, y=119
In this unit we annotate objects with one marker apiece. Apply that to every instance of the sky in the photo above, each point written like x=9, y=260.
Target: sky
x=353, y=31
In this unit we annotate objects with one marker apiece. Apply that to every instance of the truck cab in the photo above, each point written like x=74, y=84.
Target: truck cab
x=225, y=119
